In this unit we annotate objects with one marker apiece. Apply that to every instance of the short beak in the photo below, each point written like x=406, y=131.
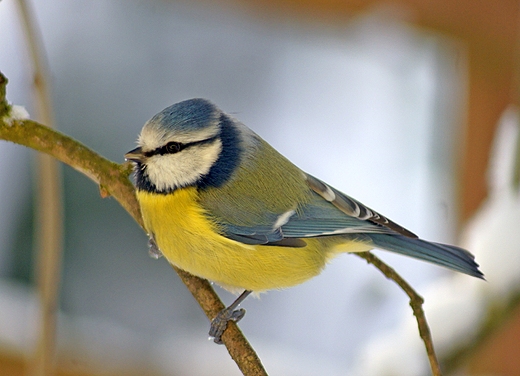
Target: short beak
x=135, y=155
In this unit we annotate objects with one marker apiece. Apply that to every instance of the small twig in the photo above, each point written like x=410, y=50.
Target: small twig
x=113, y=180
x=49, y=226
x=416, y=302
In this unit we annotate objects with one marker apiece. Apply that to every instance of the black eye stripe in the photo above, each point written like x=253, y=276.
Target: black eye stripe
x=176, y=147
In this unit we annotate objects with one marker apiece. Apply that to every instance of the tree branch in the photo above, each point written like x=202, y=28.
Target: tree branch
x=416, y=302
x=112, y=179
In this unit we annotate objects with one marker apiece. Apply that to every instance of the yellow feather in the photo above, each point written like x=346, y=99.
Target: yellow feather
x=190, y=241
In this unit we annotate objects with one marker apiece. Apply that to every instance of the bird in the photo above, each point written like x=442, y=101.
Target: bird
x=221, y=203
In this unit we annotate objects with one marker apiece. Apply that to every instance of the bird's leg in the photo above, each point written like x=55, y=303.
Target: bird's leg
x=219, y=323
x=153, y=249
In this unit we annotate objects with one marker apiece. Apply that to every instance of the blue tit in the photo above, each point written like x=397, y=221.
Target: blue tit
x=220, y=203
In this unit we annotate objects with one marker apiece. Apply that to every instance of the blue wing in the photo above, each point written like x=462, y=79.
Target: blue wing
x=328, y=212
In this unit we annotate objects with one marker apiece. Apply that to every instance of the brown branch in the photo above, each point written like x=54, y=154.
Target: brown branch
x=416, y=302
x=112, y=179
x=49, y=210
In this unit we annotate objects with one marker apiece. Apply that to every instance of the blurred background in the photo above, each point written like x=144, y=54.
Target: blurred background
x=395, y=103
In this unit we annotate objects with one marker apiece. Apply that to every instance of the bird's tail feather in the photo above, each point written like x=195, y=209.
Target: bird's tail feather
x=441, y=254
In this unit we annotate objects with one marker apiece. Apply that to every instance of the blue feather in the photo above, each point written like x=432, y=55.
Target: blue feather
x=228, y=159
x=316, y=218
x=189, y=115
x=441, y=254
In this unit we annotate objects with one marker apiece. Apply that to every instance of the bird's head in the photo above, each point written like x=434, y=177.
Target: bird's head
x=189, y=143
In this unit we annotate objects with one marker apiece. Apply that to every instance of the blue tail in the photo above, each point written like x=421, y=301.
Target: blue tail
x=441, y=254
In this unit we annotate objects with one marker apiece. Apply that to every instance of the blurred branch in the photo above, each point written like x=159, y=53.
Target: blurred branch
x=416, y=302
x=49, y=211
x=497, y=314
x=113, y=180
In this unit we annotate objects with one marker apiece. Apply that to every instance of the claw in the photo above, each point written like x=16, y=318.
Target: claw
x=153, y=249
x=220, y=322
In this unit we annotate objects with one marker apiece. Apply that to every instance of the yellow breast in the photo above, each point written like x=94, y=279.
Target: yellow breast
x=189, y=240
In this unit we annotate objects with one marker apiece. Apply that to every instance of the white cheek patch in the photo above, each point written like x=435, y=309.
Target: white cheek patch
x=169, y=171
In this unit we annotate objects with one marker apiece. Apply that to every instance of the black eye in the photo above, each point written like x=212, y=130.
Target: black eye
x=173, y=147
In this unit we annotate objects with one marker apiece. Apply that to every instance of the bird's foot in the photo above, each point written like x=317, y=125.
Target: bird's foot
x=153, y=249
x=220, y=322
